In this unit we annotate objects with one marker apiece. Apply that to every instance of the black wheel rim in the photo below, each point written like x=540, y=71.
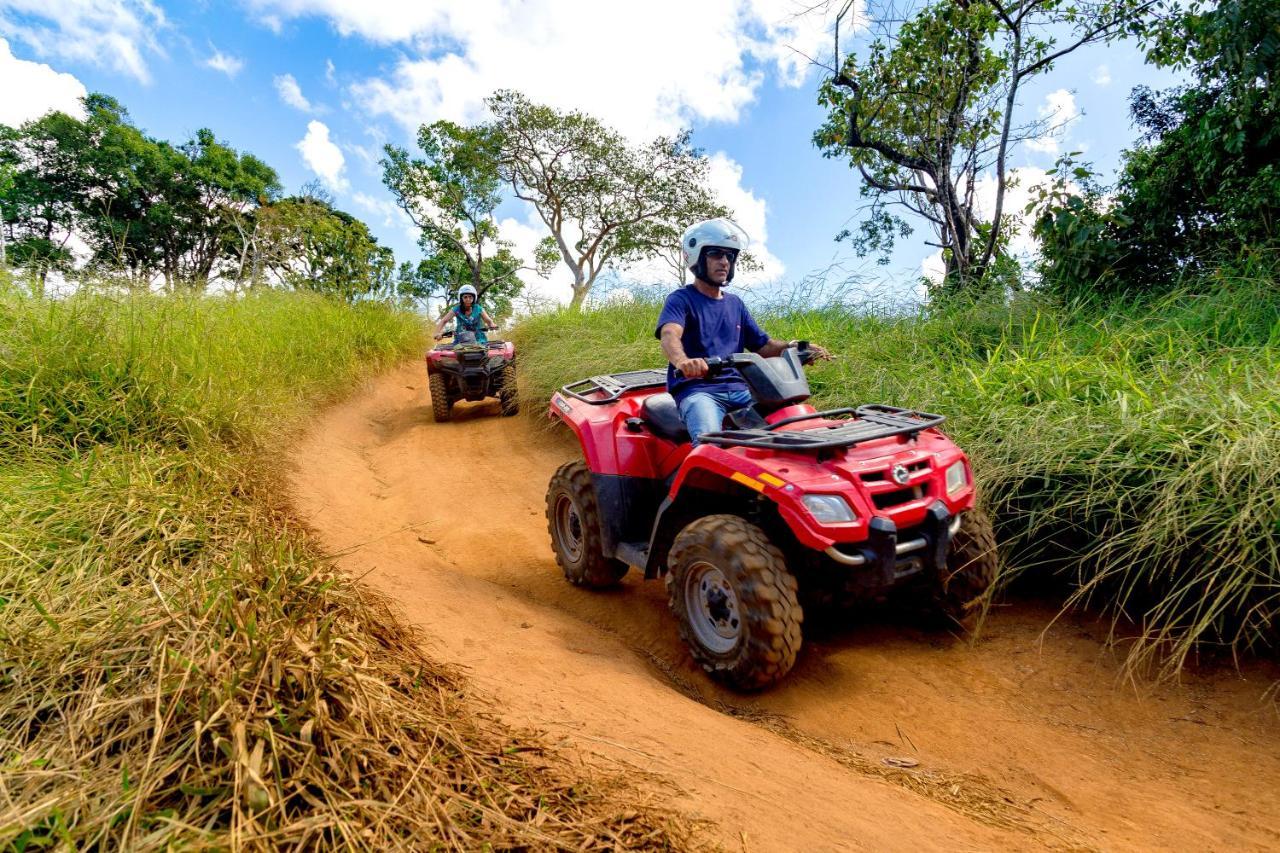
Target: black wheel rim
x=711, y=608
x=569, y=528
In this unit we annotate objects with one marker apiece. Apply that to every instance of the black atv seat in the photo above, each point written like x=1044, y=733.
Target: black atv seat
x=662, y=415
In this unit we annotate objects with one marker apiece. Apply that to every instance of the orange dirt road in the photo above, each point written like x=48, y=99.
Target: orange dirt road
x=1020, y=741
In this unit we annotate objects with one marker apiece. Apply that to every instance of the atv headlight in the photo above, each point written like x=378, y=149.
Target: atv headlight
x=957, y=477
x=829, y=509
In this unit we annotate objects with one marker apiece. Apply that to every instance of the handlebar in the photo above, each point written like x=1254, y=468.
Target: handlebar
x=716, y=363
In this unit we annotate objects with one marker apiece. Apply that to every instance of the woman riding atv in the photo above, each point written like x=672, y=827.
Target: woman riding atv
x=468, y=316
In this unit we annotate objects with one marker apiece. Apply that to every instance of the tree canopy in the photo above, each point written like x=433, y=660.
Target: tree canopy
x=451, y=193
x=931, y=106
x=145, y=210
x=1202, y=186
x=604, y=200
x=307, y=244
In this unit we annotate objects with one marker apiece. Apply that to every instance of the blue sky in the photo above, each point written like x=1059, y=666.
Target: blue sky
x=315, y=87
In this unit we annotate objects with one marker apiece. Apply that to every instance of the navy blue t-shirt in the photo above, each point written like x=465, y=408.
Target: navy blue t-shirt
x=712, y=327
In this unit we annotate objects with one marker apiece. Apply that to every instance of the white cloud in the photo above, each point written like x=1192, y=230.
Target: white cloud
x=388, y=213
x=32, y=89
x=524, y=238
x=322, y=156
x=1023, y=245
x=934, y=268
x=1102, y=75
x=228, y=65
x=291, y=93
x=330, y=73
x=1058, y=111
x=113, y=33
x=641, y=67
x=748, y=211
x=1017, y=195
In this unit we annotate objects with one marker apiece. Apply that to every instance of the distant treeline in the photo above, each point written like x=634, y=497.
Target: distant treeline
x=97, y=197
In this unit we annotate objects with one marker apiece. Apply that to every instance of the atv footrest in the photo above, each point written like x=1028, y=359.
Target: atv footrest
x=632, y=553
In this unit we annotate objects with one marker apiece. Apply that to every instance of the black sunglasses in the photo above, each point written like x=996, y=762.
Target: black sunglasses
x=720, y=253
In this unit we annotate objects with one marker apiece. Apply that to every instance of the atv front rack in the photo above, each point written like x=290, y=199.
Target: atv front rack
x=867, y=423
x=608, y=387
x=492, y=344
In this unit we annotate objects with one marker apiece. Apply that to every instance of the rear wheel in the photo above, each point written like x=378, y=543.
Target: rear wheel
x=972, y=564
x=441, y=405
x=573, y=519
x=735, y=601
x=508, y=396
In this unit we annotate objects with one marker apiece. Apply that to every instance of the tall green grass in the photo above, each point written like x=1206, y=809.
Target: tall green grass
x=179, y=668
x=1133, y=450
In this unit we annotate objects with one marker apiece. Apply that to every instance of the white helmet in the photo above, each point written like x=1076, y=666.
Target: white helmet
x=465, y=289
x=720, y=232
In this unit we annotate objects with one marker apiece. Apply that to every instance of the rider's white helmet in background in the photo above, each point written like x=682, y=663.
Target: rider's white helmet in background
x=720, y=233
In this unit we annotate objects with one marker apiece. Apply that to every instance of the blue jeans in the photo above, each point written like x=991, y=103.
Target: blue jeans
x=704, y=411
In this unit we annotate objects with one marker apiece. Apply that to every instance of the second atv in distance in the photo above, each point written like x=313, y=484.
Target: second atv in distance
x=468, y=369
x=785, y=504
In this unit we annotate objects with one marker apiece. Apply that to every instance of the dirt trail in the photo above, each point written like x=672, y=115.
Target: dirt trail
x=1021, y=741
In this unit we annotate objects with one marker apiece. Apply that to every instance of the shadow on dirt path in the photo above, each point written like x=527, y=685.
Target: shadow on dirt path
x=882, y=737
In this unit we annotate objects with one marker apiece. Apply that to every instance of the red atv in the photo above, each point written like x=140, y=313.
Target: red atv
x=837, y=506
x=470, y=370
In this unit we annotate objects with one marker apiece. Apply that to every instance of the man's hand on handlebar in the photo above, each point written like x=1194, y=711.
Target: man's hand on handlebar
x=437, y=336
x=816, y=353
x=692, y=368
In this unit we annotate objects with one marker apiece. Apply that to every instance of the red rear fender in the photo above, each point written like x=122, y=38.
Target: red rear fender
x=609, y=444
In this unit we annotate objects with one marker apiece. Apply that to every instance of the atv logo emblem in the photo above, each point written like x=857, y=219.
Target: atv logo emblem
x=901, y=475
x=561, y=404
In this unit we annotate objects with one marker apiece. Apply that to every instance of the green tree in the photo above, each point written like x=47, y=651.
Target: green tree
x=47, y=159
x=439, y=276
x=306, y=244
x=604, y=201
x=931, y=105
x=451, y=194
x=1202, y=186
x=6, y=187
x=176, y=210
x=142, y=205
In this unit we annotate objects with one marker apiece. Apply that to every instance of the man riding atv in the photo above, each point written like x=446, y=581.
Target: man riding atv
x=701, y=321
x=468, y=316
x=752, y=503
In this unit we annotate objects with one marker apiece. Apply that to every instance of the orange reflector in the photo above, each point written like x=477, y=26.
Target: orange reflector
x=750, y=482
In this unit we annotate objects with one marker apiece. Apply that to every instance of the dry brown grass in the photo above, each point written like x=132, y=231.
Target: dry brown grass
x=180, y=667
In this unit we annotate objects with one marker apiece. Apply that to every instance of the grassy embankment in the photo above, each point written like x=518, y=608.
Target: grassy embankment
x=1132, y=451
x=178, y=666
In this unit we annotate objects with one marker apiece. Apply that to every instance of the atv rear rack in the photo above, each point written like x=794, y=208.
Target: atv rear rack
x=608, y=387
x=867, y=423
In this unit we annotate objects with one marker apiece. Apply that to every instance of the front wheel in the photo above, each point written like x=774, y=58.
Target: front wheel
x=735, y=601
x=441, y=405
x=573, y=519
x=972, y=565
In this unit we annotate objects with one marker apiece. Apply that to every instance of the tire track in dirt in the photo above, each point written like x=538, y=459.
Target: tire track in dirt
x=1018, y=744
